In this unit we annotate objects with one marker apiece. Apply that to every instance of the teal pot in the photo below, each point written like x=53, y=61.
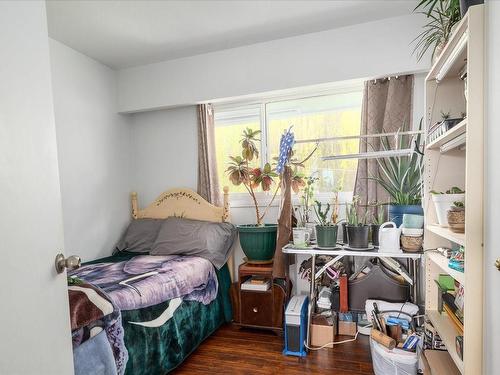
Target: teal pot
x=396, y=212
x=357, y=236
x=258, y=242
x=374, y=233
x=326, y=235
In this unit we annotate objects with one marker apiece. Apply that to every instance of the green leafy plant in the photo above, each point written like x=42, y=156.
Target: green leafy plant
x=401, y=176
x=442, y=15
x=322, y=214
x=353, y=217
x=378, y=218
x=452, y=190
x=306, y=199
x=458, y=206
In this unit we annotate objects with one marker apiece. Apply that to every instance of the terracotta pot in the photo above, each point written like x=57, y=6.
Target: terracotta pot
x=456, y=220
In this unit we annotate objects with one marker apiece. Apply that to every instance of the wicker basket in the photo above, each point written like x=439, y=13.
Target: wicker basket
x=412, y=244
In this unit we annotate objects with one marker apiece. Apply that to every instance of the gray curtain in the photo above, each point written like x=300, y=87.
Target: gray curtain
x=387, y=105
x=208, y=180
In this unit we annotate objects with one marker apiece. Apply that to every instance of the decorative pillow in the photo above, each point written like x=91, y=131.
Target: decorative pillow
x=140, y=235
x=205, y=239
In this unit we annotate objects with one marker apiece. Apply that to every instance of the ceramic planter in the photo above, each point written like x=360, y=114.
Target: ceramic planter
x=443, y=203
x=456, y=220
x=396, y=212
x=326, y=235
x=258, y=242
x=357, y=236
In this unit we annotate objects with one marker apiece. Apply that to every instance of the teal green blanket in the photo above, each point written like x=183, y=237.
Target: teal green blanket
x=158, y=350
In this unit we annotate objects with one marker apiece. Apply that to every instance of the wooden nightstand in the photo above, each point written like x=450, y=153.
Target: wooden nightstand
x=260, y=309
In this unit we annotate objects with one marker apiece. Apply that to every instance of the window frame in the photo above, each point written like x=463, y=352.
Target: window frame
x=243, y=199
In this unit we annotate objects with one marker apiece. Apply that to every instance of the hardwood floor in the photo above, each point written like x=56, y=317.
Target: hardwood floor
x=241, y=351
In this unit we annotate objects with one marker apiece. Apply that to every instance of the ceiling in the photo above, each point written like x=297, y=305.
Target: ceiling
x=130, y=33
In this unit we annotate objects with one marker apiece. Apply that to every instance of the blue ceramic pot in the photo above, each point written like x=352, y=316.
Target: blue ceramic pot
x=397, y=211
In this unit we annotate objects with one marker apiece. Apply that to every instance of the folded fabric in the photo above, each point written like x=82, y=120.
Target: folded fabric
x=94, y=357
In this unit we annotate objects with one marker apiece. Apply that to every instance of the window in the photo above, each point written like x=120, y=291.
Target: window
x=324, y=116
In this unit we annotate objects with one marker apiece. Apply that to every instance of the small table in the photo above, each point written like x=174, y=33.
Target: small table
x=338, y=254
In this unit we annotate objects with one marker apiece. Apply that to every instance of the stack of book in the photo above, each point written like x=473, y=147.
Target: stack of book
x=255, y=283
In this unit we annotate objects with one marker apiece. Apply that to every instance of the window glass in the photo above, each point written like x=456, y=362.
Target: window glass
x=229, y=126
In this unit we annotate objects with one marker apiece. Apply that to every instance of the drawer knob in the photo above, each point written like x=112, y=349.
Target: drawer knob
x=255, y=310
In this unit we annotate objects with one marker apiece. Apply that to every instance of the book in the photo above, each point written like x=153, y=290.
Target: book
x=259, y=286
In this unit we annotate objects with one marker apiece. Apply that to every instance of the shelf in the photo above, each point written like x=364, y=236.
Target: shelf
x=458, y=238
x=454, y=132
x=442, y=262
x=454, y=55
x=447, y=331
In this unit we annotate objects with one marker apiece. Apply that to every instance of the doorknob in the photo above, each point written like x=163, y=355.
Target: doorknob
x=497, y=264
x=72, y=262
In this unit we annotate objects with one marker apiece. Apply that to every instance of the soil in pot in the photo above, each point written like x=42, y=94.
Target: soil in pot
x=258, y=242
x=374, y=233
x=326, y=235
x=456, y=220
x=357, y=236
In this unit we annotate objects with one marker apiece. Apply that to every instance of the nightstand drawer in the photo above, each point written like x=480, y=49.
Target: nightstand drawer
x=257, y=308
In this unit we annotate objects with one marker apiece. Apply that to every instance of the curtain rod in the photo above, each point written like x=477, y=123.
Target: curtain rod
x=371, y=155
x=378, y=135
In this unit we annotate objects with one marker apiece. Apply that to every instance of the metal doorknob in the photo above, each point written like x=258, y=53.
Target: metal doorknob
x=72, y=262
x=497, y=264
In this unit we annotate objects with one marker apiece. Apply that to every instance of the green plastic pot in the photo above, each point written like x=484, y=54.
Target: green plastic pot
x=258, y=242
x=326, y=235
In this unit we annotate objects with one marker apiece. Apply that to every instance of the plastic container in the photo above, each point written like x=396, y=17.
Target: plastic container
x=392, y=362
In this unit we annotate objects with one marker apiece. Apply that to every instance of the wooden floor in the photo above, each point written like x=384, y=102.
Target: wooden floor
x=241, y=351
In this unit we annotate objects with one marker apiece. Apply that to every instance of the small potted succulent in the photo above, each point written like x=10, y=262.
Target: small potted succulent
x=456, y=217
x=376, y=221
x=304, y=210
x=444, y=201
x=327, y=229
x=357, y=229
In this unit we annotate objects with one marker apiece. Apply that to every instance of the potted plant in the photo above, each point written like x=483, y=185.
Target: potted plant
x=327, y=229
x=376, y=221
x=357, y=229
x=442, y=15
x=258, y=241
x=444, y=201
x=456, y=217
x=306, y=200
x=401, y=176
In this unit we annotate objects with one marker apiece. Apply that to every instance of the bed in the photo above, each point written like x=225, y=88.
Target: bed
x=163, y=306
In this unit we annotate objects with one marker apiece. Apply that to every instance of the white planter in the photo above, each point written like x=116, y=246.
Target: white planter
x=442, y=203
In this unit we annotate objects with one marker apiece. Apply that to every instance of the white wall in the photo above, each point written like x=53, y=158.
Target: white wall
x=492, y=187
x=94, y=153
x=164, y=151
x=364, y=50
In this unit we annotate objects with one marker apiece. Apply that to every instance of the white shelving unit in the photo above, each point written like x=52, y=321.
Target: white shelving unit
x=462, y=167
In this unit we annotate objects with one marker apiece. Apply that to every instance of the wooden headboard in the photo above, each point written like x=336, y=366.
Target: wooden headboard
x=187, y=204
x=182, y=203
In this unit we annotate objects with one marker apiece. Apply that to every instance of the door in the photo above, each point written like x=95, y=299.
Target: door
x=34, y=319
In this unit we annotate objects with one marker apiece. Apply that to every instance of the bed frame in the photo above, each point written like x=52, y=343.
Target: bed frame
x=187, y=204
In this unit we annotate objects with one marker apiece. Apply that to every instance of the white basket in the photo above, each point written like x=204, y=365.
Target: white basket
x=392, y=362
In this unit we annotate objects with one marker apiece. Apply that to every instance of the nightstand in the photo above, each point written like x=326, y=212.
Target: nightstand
x=261, y=309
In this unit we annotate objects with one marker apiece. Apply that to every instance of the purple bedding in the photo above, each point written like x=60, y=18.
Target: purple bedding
x=146, y=280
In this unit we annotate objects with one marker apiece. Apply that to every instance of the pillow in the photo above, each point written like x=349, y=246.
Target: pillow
x=140, y=235
x=205, y=239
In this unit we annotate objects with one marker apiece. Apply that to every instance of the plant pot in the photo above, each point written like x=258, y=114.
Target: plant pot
x=465, y=4
x=411, y=244
x=258, y=242
x=326, y=235
x=444, y=202
x=357, y=236
x=374, y=233
x=396, y=212
x=312, y=231
x=456, y=220
x=344, y=233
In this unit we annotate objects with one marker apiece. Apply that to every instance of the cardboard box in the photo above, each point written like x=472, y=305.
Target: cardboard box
x=347, y=328
x=322, y=333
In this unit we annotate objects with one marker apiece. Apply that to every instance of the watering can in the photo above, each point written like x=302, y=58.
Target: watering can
x=388, y=237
